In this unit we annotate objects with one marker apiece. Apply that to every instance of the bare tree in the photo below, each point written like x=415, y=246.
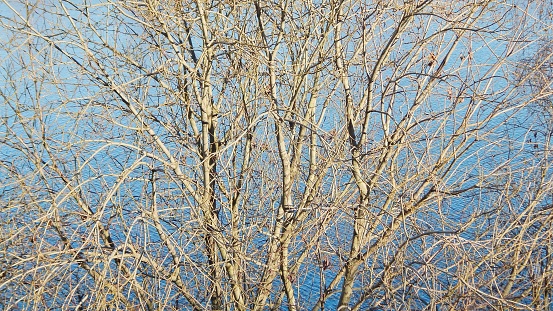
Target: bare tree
x=252, y=155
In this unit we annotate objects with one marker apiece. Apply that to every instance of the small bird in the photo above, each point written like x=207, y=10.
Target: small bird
x=432, y=58
x=325, y=263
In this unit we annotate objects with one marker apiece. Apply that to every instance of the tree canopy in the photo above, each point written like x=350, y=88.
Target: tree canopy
x=269, y=155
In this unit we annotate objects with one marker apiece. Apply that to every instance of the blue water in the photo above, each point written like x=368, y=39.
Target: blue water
x=93, y=152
